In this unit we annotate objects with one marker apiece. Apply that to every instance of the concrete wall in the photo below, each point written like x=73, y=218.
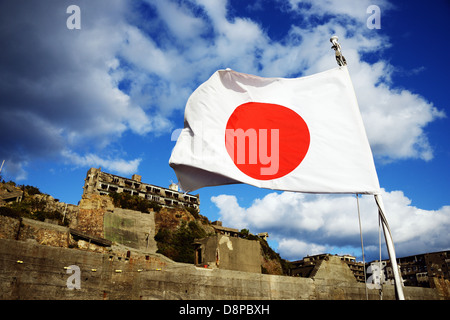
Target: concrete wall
x=131, y=228
x=9, y=227
x=33, y=230
x=152, y=276
x=231, y=253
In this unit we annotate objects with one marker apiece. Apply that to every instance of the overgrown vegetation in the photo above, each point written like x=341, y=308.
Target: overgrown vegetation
x=127, y=201
x=27, y=189
x=270, y=254
x=194, y=212
x=9, y=212
x=31, y=190
x=30, y=207
x=178, y=244
x=245, y=234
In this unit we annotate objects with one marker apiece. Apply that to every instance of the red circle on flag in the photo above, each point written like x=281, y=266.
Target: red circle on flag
x=266, y=141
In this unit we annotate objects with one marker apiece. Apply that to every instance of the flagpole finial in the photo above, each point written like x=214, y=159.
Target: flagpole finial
x=337, y=48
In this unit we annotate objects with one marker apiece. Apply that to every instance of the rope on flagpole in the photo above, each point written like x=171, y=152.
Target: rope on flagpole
x=337, y=48
x=381, y=270
x=362, y=246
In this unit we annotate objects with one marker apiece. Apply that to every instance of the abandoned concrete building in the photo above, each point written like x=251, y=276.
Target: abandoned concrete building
x=308, y=266
x=9, y=193
x=103, y=183
x=226, y=250
x=218, y=228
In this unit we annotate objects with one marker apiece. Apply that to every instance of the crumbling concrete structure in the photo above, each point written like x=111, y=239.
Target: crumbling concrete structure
x=99, y=218
x=228, y=252
x=10, y=193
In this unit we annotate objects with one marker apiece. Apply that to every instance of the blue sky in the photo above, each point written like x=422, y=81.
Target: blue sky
x=112, y=93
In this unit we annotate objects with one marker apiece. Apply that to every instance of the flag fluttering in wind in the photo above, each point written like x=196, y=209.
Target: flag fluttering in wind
x=301, y=134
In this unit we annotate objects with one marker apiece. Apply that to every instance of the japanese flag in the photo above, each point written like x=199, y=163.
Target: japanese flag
x=304, y=134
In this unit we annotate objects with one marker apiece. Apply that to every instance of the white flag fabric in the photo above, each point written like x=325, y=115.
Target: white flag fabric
x=302, y=134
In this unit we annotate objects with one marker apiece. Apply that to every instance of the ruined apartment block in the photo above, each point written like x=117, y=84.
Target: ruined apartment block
x=103, y=183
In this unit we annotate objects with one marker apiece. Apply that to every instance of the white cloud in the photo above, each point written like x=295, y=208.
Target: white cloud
x=62, y=85
x=180, y=20
x=297, y=248
x=394, y=118
x=305, y=224
x=145, y=54
x=124, y=72
x=119, y=166
x=353, y=9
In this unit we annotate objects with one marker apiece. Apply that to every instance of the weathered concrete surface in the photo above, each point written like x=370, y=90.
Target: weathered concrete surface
x=9, y=227
x=33, y=230
x=41, y=275
x=334, y=268
x=231, y=253
x=131, y=228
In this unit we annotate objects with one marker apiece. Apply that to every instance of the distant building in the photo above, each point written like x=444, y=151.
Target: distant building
x=355, y=266
x=420, y=269
x=103, y=183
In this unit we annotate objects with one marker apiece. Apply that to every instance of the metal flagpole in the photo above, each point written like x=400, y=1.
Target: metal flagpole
x=387, y=232
x=390, y=248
